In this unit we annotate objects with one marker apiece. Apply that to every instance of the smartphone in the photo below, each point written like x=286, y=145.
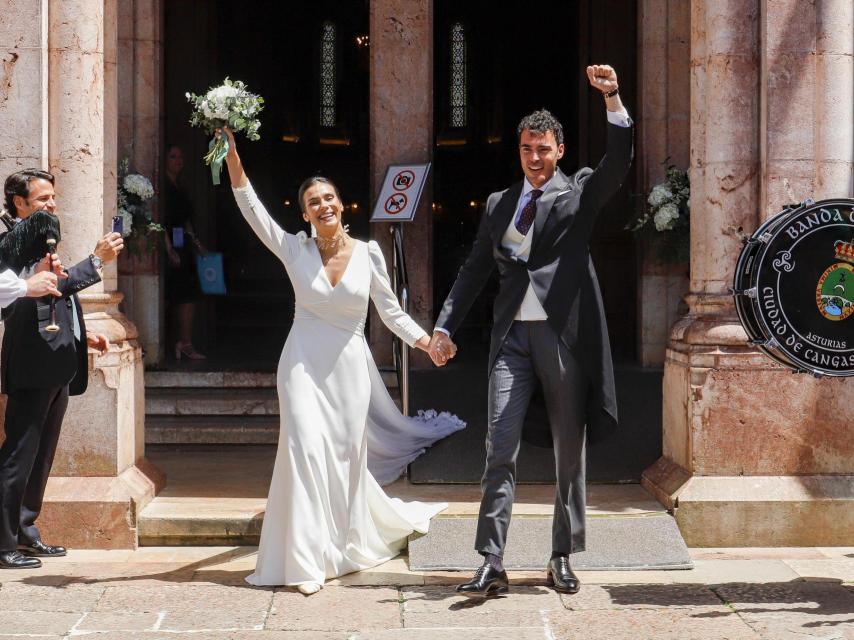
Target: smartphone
x=118, y=225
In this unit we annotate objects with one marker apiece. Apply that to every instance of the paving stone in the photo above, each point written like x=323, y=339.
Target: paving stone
x=471, y=633
x=71, y=598
x=829, y=569
x=474, y=618
x=648, y=596
x=728, y=571
x=660, y=624
x=182, y=598
x=235, y=578
x=118, y=622
x=36, y=623
x=213, y=635
x=444, y=598
x=213, y=620
x=796, y=610
x=336, y=609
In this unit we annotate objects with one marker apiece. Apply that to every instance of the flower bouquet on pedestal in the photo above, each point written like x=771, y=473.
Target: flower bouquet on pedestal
x=668, y=214
x=228, y=104
x=133, y=195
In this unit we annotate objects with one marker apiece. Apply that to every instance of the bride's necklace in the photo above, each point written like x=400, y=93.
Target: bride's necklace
x=335, y=242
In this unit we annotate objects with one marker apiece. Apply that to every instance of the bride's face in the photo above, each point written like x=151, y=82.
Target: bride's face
x=322, y=208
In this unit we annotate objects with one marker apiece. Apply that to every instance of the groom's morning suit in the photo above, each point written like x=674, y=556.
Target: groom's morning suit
x=38, y=372
x=549, y=328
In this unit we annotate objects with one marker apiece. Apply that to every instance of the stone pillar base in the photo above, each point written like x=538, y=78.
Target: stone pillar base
x=98, y=513
x=756, y=511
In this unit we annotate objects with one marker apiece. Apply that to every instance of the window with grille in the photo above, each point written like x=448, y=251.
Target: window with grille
x=459, y=88
x=328, y=76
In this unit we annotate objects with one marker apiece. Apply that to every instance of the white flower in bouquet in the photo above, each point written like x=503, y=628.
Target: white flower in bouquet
x=228, y=104
x=127, y=221
x=659, y=195
x=138, y=185
x=665, y=218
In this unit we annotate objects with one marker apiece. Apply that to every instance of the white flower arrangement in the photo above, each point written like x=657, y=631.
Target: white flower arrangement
x=228, y=104
x=133, y=195
x=668, y=212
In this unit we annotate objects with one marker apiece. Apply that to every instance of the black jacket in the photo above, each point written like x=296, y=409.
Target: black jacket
x=34, y=358
x=560, y=269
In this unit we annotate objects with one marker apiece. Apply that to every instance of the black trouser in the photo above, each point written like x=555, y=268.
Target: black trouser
x=533, y=353
x=33, y=421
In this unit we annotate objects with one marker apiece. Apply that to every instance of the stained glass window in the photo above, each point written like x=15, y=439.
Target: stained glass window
x=458, y=75
x=328, y=72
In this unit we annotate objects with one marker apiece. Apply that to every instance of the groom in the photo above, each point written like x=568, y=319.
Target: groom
x=549, y=328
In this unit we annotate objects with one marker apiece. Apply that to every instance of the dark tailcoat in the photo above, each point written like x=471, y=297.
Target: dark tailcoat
x=560, y=269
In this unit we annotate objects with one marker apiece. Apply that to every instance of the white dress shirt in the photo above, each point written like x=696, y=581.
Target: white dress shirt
x=11, y=288
x=520, y=246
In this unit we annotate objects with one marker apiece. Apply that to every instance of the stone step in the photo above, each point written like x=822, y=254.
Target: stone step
x=217, y=496
x=244, y=429
x=226, y=379
x=211, y=401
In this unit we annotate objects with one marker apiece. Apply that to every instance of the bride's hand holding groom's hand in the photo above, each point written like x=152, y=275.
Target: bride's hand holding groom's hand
x=441, y=349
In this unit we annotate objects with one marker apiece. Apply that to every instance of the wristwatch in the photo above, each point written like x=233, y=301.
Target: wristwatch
x=95, y=260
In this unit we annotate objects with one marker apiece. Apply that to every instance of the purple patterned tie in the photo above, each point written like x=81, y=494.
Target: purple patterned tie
x=529, y=212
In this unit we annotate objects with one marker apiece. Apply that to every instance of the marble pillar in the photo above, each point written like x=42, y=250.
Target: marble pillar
x=140, y=134
x=100, y=478
x=401, y=113
x=663, y=138
x=752, y=454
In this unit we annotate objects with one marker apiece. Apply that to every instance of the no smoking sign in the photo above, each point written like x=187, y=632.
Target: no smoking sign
x=401, y=191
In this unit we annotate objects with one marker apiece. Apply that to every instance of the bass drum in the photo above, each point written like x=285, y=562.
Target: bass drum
x=794, y=287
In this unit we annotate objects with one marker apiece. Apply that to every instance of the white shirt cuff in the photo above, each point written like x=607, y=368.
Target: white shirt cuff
x=445, y=331
x=619, y=118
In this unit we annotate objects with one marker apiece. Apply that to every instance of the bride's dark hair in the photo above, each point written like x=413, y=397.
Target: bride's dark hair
x=310, y=182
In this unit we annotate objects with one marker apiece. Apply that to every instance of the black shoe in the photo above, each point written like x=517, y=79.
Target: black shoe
x=17, y=560
x=39, y=549
x=487, y=582
x=561, y=577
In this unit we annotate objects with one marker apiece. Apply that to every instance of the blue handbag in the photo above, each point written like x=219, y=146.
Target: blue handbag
x=211, y=276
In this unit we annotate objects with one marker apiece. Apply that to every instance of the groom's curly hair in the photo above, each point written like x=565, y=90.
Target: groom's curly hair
x=310, y=182
x=540, y=122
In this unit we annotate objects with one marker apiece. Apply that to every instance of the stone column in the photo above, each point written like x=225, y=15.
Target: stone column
x=401, y=115
x=141, y=141
x=663, y=137
x=100, y=478
x=754, y=455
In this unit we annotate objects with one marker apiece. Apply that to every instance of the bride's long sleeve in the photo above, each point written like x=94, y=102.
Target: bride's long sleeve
x=400, y=323
x=285, y=245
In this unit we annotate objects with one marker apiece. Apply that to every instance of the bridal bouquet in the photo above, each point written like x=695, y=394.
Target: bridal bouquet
x=133, y=193
x=228, y=104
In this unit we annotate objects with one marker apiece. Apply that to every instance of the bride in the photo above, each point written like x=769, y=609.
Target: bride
x=326, y=513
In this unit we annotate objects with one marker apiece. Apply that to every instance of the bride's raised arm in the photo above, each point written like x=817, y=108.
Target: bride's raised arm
x=285, y=245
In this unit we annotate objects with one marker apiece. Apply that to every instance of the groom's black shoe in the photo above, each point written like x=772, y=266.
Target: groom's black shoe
x=39, y=549
x=488, y=581
x=561, y=577
x=17, y=560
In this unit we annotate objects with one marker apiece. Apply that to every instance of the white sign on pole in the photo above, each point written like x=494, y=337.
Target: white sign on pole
x=401, y=192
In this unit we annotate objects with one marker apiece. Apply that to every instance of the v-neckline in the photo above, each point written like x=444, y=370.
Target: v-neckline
x=346, y=267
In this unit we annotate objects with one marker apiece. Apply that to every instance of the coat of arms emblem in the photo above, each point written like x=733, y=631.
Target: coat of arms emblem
x=834, y=293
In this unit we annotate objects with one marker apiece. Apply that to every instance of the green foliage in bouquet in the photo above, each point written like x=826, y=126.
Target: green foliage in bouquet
x=228, y=104
x=134, y=193
x=665, y=223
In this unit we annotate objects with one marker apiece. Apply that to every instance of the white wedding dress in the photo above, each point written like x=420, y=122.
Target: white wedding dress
x=326, y=514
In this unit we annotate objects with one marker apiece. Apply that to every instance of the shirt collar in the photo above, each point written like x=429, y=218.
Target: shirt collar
x=527, y=187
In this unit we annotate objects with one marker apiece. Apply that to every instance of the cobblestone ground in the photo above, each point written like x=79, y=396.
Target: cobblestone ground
x=199, y=594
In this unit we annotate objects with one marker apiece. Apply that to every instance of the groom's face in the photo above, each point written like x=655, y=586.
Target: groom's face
x=539, y=153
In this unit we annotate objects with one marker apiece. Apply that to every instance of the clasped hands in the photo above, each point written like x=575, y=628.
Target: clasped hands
x=441, y=348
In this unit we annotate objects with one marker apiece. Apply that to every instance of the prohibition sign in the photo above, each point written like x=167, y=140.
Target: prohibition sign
x=403, y=180
x=396, y=203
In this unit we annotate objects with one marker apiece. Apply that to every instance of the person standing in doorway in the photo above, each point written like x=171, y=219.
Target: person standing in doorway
x=549, y=328
x=182, y=280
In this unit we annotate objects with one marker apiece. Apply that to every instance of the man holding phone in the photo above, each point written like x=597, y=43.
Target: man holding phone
x=39, y=370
